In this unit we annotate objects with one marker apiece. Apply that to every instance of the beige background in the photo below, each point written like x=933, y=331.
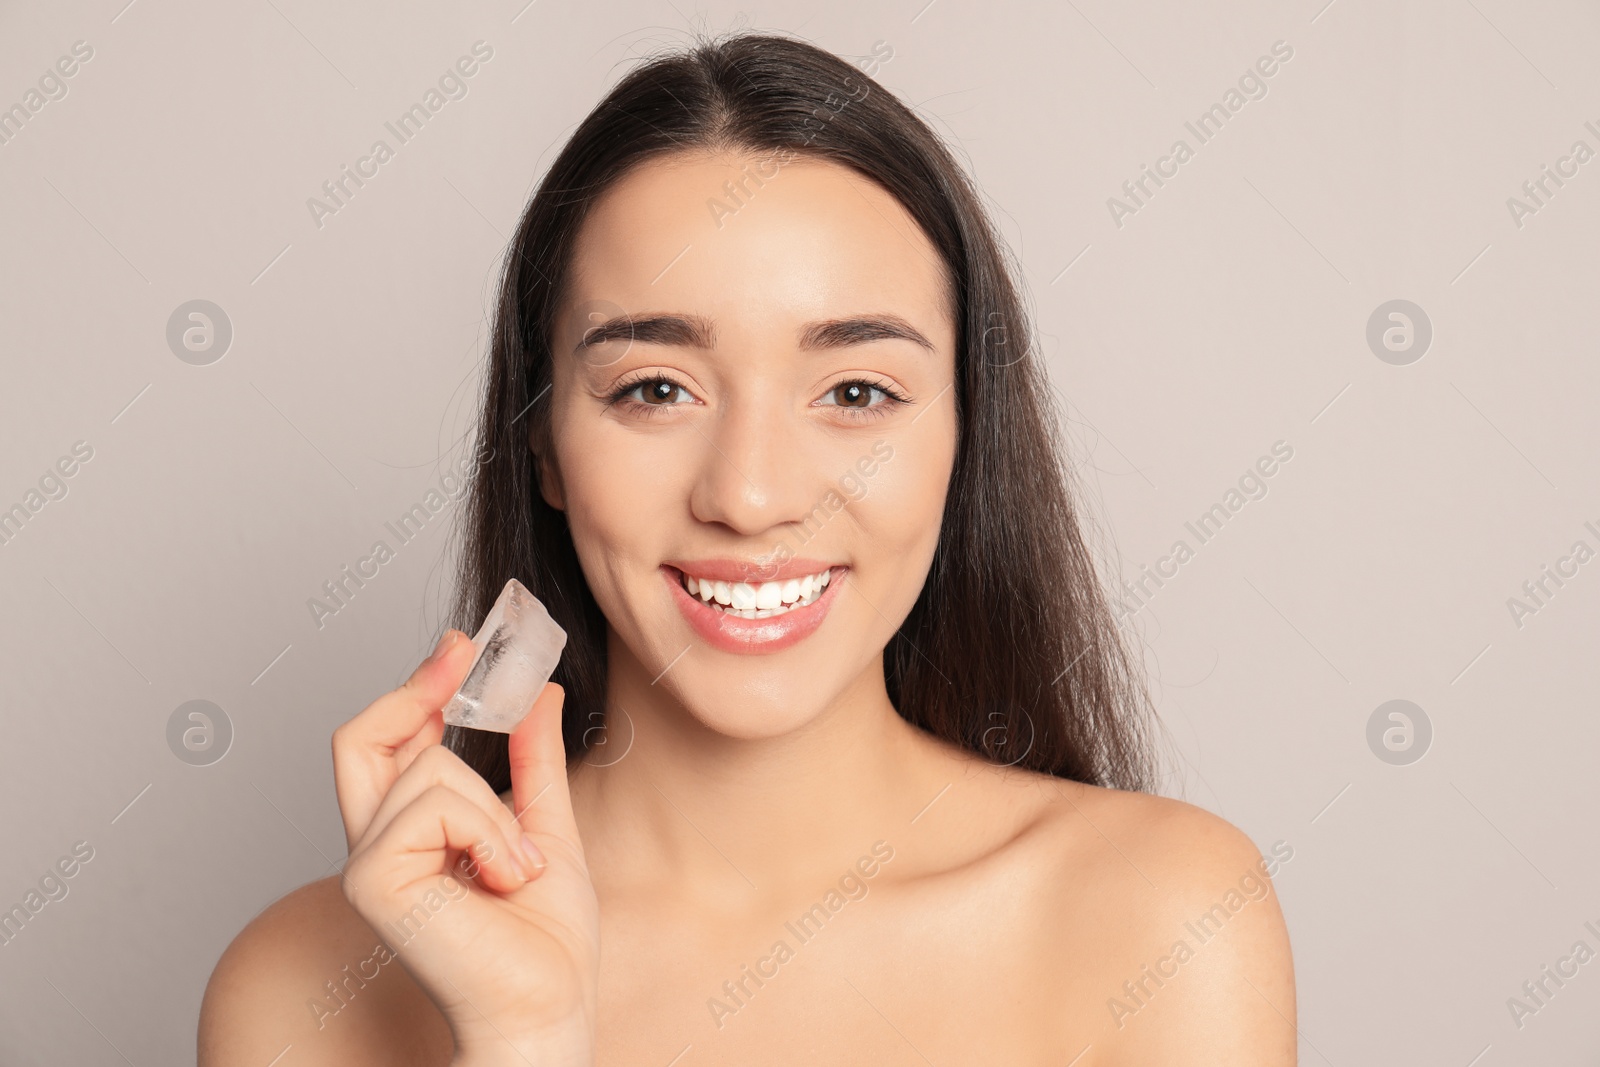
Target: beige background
x=1228, y=313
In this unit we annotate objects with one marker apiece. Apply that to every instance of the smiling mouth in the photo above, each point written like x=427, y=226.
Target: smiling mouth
x=757, y=600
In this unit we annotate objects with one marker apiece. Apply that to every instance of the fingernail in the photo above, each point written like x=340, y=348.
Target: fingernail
x=519, y=863
x=536, y=858
x=446, y=642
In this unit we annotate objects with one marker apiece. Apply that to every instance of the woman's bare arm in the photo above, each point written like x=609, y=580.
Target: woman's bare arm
x=308, y=975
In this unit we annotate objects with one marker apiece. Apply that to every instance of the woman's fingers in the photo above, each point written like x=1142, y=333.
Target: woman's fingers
x=416, y=845
x=539, y=774
x=437, y=766
x=372, y=749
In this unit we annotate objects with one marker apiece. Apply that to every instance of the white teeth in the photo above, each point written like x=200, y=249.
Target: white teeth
x=760, y=600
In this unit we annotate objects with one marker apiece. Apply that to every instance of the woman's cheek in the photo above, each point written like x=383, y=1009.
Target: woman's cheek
x=912, y=478
x=616, y=476
x=610, y=483
x=898, y=517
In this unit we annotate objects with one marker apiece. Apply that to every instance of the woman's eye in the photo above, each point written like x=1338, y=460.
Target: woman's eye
x=853, y=395
x=655, y=392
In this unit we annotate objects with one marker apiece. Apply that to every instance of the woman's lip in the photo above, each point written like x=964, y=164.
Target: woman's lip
x=752, y=571
x=730, y=633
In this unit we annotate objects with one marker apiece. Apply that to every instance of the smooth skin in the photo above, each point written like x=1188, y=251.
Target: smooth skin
x=735, y=794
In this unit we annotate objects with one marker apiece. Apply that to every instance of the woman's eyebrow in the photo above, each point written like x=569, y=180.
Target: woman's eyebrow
x=841, y=333
x=696, y=331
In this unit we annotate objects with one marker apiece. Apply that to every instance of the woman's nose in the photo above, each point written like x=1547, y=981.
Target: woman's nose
x=756, y=471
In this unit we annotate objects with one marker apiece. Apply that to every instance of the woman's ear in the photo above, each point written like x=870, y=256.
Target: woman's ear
x=548, y=474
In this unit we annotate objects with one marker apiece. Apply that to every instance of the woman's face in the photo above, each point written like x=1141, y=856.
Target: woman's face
x=724, y=406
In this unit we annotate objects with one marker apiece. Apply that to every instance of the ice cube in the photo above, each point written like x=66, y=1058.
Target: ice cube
x=518, y=646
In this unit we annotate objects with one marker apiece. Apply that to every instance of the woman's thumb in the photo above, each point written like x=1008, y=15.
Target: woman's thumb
x=539, y=768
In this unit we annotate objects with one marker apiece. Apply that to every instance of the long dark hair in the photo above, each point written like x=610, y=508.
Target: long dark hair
x=1011, y=650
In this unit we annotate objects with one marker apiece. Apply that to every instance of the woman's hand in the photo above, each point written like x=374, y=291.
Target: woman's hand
x=493, y=915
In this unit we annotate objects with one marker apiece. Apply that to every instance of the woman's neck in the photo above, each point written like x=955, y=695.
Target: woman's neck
x=667, y=795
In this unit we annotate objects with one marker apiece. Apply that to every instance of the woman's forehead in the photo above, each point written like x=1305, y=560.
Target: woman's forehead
x=741, y=237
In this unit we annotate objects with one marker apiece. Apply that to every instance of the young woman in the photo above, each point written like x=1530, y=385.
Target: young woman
x=844, y=761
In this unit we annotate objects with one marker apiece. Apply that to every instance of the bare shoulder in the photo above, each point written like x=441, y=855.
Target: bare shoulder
x=1185, y=843
x=308, y=973
x=1192, y=946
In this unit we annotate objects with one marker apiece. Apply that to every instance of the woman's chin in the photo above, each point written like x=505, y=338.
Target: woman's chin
x=754, y=715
